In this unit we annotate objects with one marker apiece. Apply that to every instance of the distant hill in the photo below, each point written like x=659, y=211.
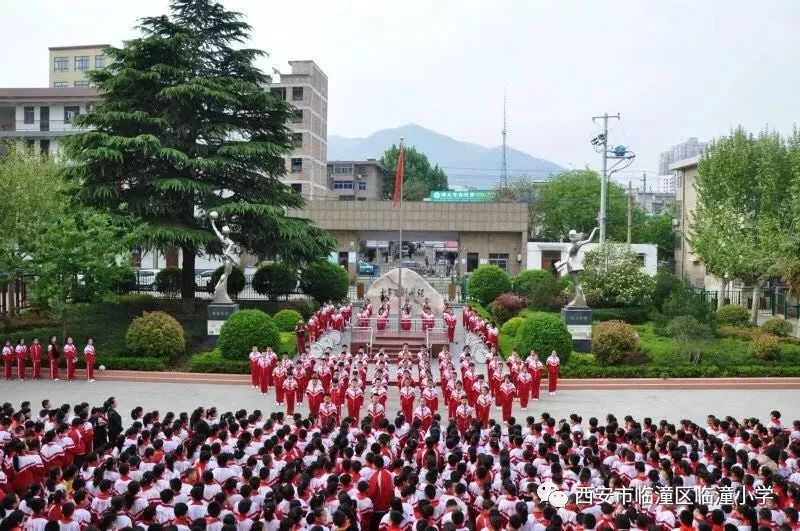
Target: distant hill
x=465, y=163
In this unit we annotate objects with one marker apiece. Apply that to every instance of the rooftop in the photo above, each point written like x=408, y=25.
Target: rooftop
x=81, y=47
x=685, y=163
x=47, y=93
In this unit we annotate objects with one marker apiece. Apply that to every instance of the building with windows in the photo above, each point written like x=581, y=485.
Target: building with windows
x=687, y=264
x=306, y=88
x=69, y=64
x=357, y=180
x=545, y=255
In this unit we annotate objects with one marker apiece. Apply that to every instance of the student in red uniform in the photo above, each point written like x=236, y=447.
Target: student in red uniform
x=376, y=412
x=71, y=354
x=261, y=371
x=535, y=368
x=524, y=388
x=278, y=377
x=450, y=321
x=424, y=414
x=290, y=387
x=255, y=373
x=455, y=399
x=89, y=357
x=328, y=411
x=315, y=393
x=36, y=358
x=506, y=395
x=383, y=318
x=464, y=415
x=553, y=364
x=300, y=333
x=8, y=359
x=53, y=357
x=431, y=396
x=405, y=320
x=483, y=405
x=408, y=398
x=21, y=352
x=337, y=395
x=354, y=397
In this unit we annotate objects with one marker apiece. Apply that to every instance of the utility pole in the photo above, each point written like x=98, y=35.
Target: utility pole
x=644, y=190
x=601, y=218
x=630, y=213
x=503, y=168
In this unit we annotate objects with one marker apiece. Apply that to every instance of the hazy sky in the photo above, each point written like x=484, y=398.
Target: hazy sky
x=673, y=69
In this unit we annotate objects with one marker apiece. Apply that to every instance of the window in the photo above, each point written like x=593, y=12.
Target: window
x=81, y=63
x=60, y=84
x=343, y=169
x=297, y=165
x=342, y=185
x=27, y=115
x=297, y=93
x=297, y=116
x=472, y=262
x=362, y=185
x=279, y=92
x=297, y=188
x=499, y=259
x=642, y=259
x=99, y=61
x=70, y=112
x=82, y=83
x=44, y=146
x=297, y=140
x=60, y=64
x=347, y=198
x=362, y=198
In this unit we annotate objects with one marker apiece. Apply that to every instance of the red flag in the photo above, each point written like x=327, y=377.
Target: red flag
x=398, y=175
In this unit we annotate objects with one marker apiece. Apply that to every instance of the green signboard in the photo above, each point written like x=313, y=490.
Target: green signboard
x=460, y=196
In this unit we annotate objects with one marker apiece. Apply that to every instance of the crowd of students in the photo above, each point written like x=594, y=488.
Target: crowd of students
x=22, y=356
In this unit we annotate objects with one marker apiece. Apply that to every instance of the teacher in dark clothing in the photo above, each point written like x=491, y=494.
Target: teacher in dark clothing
x=114, y=420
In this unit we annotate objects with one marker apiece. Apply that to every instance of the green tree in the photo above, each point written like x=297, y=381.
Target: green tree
x=185, y=127
x=657, y=229
x=419, y=176
x=522, y=190
x=30, y=193
x=571, y=200
x=743, y=219
x=613, y=275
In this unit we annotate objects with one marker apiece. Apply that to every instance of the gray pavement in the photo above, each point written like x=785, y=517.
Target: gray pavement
x=672, y=405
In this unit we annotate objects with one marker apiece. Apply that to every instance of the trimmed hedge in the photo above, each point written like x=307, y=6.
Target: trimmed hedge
x=506, y=306
x=734, y=315
x=323, y=280
x=777, y=327
x=544, y=332
x=286, y=320
x=155, y=335
x=168, y=281
x=487, y=282
x=244, y=329
x=539, y=286
x=275, y=280
x=213, y=361
x=614, y=342
x=236, y=281
x=675, y=371
x=511, y=326
x=631, y=315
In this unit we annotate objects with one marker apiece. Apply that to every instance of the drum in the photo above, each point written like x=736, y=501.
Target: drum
x=326, y=342
x=335, y=336
x=317, y=350
x=480, y=354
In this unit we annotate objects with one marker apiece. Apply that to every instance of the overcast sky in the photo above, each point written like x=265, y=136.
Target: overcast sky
x=673, y=69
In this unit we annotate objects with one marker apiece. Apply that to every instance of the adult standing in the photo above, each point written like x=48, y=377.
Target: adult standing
x=553, y=364
x=300, y=333
x=114, y=420
x=53, y=357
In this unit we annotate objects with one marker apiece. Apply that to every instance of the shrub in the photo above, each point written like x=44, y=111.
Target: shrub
x=764, y=347
x=286, y=320
x=684, y=302
x=507, y=306
x=739, y=332
x=287, y=343
x=323, y=280
x=631, y=315
x=613, y=275
x=734, y=315
x=690, y=335
x=244, y=329
x=155, y=335
x=539, y=286
x=544, y=332
x=487, y=282
x=666, y=284
x=236, y=281
x=126, y=280
x=614, y=342
x=275, y=280
x=213, y=361
x=168, y=281
x=511, y=327
x=777, y=327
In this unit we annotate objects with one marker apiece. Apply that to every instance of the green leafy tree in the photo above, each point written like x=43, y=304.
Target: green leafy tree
x=420, y=177
x=743, y=219
x=323, y=281
x=614, y=276
x=658, y=230
x=522, y=190
x=186, y=127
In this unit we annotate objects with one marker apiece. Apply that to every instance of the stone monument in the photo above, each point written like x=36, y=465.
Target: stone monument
x=221, y=307
x=406, y=286
x=576, y=314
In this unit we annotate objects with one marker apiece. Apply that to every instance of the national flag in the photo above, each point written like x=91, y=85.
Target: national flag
x=398, y=176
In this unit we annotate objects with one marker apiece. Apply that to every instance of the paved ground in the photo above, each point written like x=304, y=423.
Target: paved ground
x=671, y=404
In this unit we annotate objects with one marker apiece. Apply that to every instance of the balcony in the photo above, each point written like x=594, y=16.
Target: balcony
x=37, y=128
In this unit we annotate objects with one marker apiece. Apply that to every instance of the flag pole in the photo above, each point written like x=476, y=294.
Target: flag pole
x=401, y=160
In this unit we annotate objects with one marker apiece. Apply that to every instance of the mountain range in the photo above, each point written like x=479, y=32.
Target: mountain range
x=465, y=163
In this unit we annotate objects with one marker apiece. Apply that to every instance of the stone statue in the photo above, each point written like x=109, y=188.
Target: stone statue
x=221, y=289
x=574, y=266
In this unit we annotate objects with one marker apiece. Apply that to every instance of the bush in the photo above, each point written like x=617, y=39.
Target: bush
x=739, y=332
x=666, y=284
x=614, y=342
x=544, y=332
x=236, y=281
x=487, y=282
x=244, y=329
x=684, y=302
x=286, y=320
x=734, y=315
x=323, y=280
x=777, y=327
x=275, y=280
x=690, y=335
x=613, y=275
x=287, y=343
x=764, y=347
x=155, y=335
x=511, y=326
x=126, y=280
x=168, y=281
x=631, y=315
x=213, y=361
x=507, y=306
x=539, y=286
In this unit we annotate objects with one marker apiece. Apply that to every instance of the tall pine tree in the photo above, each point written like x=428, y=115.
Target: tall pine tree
x=185, y=127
